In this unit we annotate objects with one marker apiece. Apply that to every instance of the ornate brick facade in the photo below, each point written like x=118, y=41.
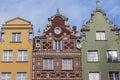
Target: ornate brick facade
x=57, y=43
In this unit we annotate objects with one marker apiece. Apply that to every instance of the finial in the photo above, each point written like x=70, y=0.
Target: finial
x=83, y=22
x=38, y=32
x=98, y=4
x=58, y=12
x=83, y=25
x=115, y=24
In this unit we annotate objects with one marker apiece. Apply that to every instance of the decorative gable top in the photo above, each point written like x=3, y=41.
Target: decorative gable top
x=18, y=20
x=58, y=27
x=98, y=9
x=58, y=14
x=85, y=27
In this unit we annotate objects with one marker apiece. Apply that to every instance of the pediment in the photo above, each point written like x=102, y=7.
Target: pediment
x=17, y=20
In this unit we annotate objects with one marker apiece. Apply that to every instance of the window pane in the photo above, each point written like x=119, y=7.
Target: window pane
x=21, y=76
x=22, y=55
x=100, y=35
x=92, y=56
x=48, y=64
x=54, y=45
x=16, y=37
x=114, y=75
x=6, y=76
x=2, y=36
x=30, y=36
x=7, y=55
x=94, y=76
x=67, y=64
x=57, y=45
x=13, y=37
x=112, y=56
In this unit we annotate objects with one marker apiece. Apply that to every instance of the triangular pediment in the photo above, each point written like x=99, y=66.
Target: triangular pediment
x=17, y=20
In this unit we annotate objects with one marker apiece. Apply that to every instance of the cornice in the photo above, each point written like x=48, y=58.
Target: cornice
x=56, y=54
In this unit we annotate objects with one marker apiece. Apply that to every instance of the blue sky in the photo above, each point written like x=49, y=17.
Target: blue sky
x=38, y=11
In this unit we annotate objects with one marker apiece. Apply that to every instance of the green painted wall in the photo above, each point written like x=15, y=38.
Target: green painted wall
x=99, y=23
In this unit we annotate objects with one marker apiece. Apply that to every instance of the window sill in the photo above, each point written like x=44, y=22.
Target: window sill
x=21, y=61
x=6, y=61
x=93, y=61
x=57, y=50
x=67, y=70
x=113, y=62
x=16, y=42
x=48, y=70
x=1, y=40
x=101, y=40
x=30, y=39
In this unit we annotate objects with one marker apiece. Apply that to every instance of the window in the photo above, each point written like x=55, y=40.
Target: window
x=47, y=64
x=112, y=56
x=67, y=64
x=30, y=35
x=37, y=42
x=114, y=75
x=92, y=56
x=7, y=55
x=16, y=37
x=100, y=35
x=22, y=55
x=57, y=45
x=2, y=36
x=21, y=76
x=94, y=76
x=6, y=76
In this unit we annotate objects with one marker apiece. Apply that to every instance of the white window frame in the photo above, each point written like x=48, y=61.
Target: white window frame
x=21, y=76
x=48, y=64
x=57, y=44
x=7, y=55
x=111, y=54
x=94, y=76
x=67, y=64
x=92, y=56
x=100, y=35
x=22, y=55
x=16, y=36
x=7, y=76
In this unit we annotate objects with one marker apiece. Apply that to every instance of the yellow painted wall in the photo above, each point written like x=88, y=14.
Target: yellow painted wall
x=25, y=44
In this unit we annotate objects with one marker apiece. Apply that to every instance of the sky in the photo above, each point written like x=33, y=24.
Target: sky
x=38, y=11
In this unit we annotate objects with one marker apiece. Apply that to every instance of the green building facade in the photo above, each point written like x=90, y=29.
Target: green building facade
x=100, y=48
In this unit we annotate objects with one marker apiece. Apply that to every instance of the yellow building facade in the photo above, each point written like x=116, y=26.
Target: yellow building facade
x=16, y=50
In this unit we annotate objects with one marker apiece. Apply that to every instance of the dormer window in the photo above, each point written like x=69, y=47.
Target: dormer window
x=100, y=35
x=30, y=36
x=57, y=45
x=2, y=36
x=78, y=44
x=37, y=44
